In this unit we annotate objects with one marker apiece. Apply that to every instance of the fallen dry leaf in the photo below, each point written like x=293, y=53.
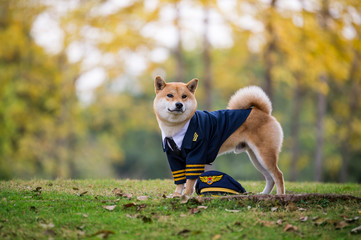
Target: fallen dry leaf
x=315, y=218
x=82, y=194
x=142, y=198
x=202, y=207
x=128, y=195
x=266, y=223
x=117, y=192
x=216, y=237
x=194, y=210
x=232, y=211
x=49, y=225
x=141, y=206
x=290, y=228
x=302, y=209
x=356, y=230
x=248, y=193
x=279, y=222
x=350, y=220
x=110, y=208
x=103, y=234
x=82, y=227
x=184, y=232
x=340, y=225
x=128, y=205
x=303, y=218
x=274, y=209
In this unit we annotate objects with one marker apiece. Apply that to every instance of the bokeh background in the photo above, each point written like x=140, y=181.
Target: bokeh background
x=76, y=82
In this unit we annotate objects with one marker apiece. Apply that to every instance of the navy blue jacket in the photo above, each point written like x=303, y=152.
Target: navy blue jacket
x=205, y=135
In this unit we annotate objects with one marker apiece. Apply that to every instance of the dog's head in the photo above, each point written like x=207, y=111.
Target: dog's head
x=175, y=102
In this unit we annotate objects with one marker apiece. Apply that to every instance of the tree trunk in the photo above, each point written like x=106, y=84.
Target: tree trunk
x=321, y=105
x=66, y=140
x=207, y=75
x=295, y=127
x=321, y=112
x=354, y=99
x=295, y=115
x=178, y=51
x=270, y=51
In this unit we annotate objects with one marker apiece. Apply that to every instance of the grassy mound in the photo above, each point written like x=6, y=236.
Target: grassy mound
x=139, y=209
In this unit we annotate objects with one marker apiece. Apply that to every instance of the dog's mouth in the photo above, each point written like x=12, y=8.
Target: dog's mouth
x=176, y=110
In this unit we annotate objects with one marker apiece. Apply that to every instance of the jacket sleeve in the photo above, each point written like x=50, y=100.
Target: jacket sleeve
x=178, y=168
x=196, y=160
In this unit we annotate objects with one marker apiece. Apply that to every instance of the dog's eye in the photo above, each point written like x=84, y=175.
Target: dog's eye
x=170, y=95
x=184, y=96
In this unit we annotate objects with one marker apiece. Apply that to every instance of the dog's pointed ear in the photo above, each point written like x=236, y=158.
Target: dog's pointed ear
x=159, y=84
x=192, y=85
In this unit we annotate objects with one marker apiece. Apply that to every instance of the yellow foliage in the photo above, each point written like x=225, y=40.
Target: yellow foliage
x=333, y=164
x=303, y=162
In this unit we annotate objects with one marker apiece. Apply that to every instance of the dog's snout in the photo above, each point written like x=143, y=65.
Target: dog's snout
x=179, y=105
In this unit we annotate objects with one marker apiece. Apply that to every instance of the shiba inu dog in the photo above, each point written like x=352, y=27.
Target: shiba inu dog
x=192, y=139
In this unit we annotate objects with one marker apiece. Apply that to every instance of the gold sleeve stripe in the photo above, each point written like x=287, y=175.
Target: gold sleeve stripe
x=219, y=190
x=178, y=179
x=179, y=175
x=193, y=174
x=195, y=165
x=195, y=169
x=179, y=171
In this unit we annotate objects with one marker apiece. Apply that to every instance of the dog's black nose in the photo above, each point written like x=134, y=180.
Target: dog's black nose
x=179, y=105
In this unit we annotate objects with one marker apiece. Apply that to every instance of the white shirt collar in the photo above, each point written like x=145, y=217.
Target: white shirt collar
x=178, y=137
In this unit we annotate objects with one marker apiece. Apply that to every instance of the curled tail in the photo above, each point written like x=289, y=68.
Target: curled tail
x=251, y=96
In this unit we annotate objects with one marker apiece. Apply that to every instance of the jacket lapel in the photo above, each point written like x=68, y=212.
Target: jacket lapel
x=188, y=137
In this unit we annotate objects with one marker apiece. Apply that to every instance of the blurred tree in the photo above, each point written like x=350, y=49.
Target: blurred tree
x=37, y=98
x=46, y=131
x=321, y=102
x=178, y=51
x=207, y=72
x=270, y=48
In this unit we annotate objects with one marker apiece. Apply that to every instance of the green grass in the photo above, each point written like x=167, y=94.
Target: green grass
x=59, y=211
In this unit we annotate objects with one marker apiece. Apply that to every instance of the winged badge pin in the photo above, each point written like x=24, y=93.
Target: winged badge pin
x=211, y=179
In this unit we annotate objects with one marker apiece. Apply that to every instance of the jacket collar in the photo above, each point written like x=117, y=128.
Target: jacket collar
x=178, y=137
x=188, y=137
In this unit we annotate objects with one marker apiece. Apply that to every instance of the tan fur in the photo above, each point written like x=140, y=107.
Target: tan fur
x=172, y=123
x=260, y=135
